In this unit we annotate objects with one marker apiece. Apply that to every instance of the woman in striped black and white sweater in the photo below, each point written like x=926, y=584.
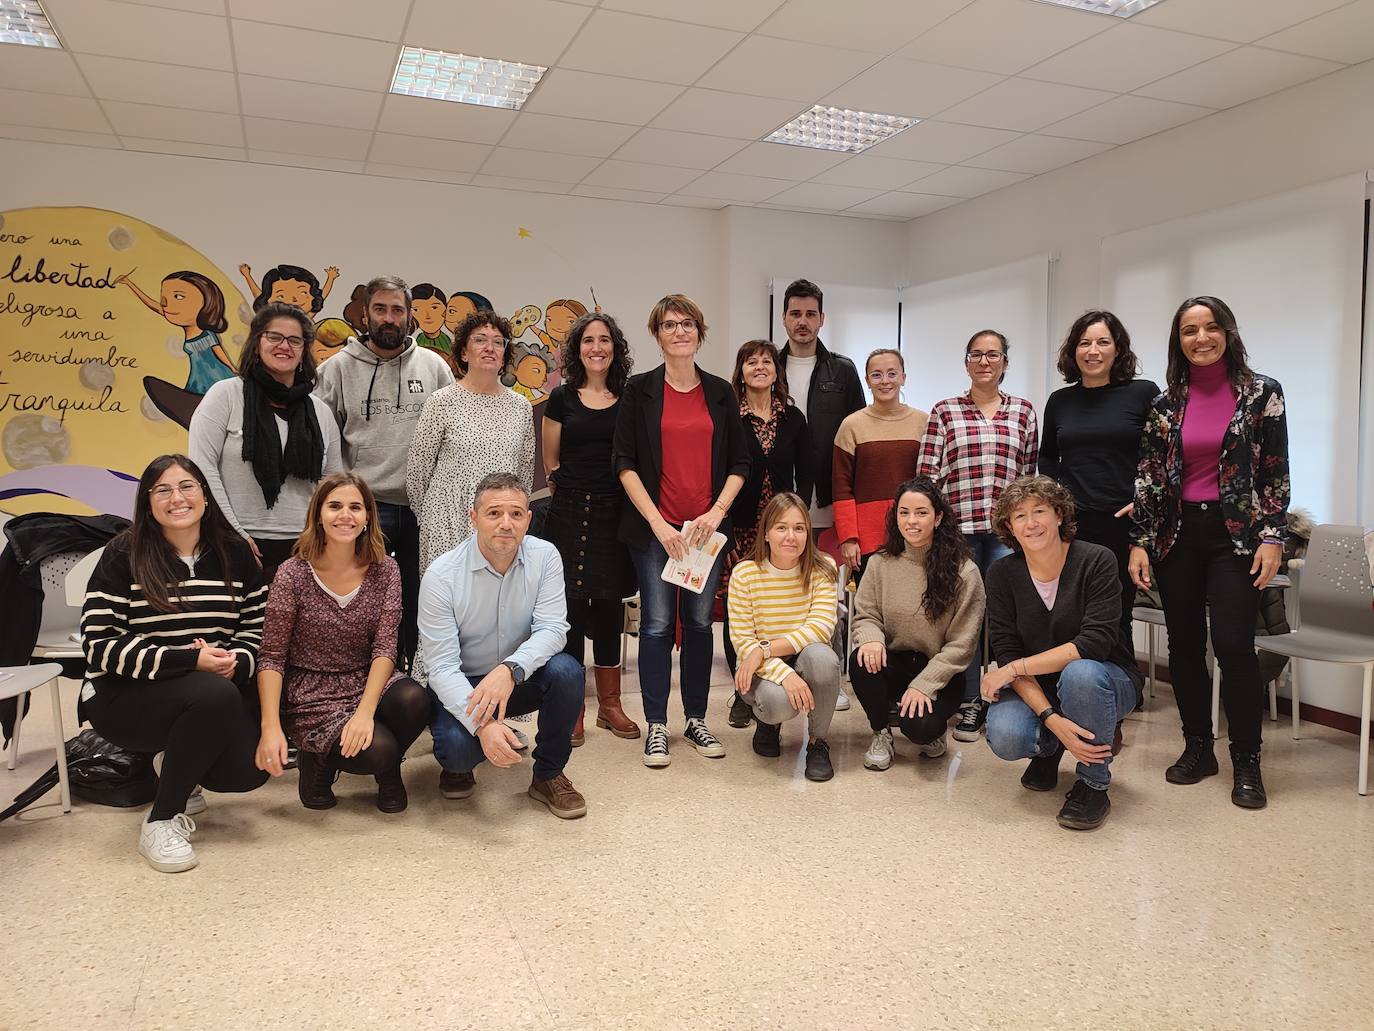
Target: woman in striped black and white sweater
x=171, y=627
x=783, y=604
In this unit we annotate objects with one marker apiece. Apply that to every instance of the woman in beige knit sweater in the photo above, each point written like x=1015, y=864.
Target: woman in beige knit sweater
x=917, y=616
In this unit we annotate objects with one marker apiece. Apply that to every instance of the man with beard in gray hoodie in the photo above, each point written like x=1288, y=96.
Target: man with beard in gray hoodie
x=376, y=387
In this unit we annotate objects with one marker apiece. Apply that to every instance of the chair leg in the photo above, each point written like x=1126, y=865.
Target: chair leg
x=1150, y=646
x=1364, y=728
x=61, y=745
x=19, y=701
x=1293, y=683
x=1274, y=700
x=1216, y=696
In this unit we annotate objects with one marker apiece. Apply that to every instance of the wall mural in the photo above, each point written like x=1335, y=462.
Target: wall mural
x=112, y=329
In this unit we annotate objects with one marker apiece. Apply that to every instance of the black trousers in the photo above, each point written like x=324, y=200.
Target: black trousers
x=1115, y=535
x=402, y=534
x=1202, y=575
x=274, y=553
x=204, y=725
x=879, y=692
x=603, y=621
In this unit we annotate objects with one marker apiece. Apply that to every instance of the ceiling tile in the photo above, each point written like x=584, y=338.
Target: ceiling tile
x=945, y=143
x=1243, y=21
x=309, y=102
x=433, y=175
x=680, y=200
x=145, y=33
x=533, y=131
x=1025, y=104
x=174, y=123
x=421, y=153
x=51, y=110
x=286, y=53
x=647, y=48
x=42, y=70
x=913, y=88
x=199, y=6
x=904, y=205
x=496, y=182
x=727, y=114
x=1239, y=76
x=532, y=31
x=960, y=181
x=875, y=25
x=605, y=98
x=878, y=173
x=305, y=138
x=143, y=82
x=1036, y=154
x=1125, y=119
x=444, y=119
x=744, y=189
x=742, y=15
x=276, y=157
x=784, y=68
x=365, y=18
x=781, y=161
x=43, y=134
x=612, y=193
x=1345, y=35
x=636, y=175
x=1126, y=57
x=822, y=197
x=538, y=164
x=1003, y=35
x=680, y=149
x=195, y=150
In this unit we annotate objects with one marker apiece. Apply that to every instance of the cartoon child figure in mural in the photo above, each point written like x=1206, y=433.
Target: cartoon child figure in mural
x=298, y=287
x=193, y=304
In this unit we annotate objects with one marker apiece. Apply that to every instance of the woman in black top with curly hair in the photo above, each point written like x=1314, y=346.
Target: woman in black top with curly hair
x=584, y=516
x=917, y=617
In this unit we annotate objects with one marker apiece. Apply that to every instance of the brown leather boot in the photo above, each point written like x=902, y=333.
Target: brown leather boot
x=579, y=734
x=609, y=714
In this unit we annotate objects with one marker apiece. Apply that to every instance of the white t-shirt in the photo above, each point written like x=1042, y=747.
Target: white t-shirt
x=799, y=373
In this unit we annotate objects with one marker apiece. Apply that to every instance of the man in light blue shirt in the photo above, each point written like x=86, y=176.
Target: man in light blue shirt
x=493, y=620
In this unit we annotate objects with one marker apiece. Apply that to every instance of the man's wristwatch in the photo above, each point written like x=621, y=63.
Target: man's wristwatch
x=1049, y=711
x=517, y=671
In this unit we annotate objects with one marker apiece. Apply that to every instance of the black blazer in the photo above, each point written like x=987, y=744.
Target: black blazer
x=789, y=466
x=639, y=444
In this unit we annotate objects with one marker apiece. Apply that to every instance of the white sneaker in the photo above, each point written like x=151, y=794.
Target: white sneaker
x=880, y=751
x=166, y=844
x=934, y=749
x=842, y=702
x=195, y=803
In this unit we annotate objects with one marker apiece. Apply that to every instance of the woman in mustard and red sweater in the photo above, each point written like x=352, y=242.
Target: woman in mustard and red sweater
x=876, y=449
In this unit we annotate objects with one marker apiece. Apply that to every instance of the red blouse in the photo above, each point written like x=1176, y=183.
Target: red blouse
x=684, y=486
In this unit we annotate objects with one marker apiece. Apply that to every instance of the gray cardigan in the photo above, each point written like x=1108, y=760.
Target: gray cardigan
x=216, y=445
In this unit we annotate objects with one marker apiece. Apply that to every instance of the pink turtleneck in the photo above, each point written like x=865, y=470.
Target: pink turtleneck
x=1211, y=403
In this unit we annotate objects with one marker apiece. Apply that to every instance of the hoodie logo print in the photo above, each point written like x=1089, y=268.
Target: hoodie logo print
x=415, y=386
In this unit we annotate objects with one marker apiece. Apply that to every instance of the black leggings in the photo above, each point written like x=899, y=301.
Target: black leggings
x=401, y=714
x=1114, y=534
x=601, y=619
x=202, y=723
x=879, y=692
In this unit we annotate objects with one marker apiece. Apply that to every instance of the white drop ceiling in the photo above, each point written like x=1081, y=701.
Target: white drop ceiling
x=666, y=101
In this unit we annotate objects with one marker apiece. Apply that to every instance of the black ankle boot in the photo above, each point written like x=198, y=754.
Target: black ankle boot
x=1248, y=786
x=1197, y=761
x=316, y=780
x=391, y=791
x=767, y=739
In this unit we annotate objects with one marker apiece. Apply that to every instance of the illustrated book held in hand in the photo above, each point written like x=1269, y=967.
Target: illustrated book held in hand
x=692, y=571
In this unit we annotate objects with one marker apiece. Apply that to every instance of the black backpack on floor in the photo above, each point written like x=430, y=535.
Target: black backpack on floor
x=99, y=772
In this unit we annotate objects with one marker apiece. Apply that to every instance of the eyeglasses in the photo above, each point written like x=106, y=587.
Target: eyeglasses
x=671, y=325
x=879, y=375
x=487, y=343
x=186, y=488
x=274, y=338
x=978, y=357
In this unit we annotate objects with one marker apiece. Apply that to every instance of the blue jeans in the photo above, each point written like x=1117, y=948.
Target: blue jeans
x=556, y=690
x=1095, y=695
x=660, y=603
x=986, y=548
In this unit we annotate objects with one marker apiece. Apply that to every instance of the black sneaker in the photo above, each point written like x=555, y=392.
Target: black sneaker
x=701, y=738
x=1197, y=761
x=768, y=739
x=818, y=761
x=1084, y=808
x=740, y=712
x=656, y=746
x=972, y=716
x=1042, y=772
x=1248, y=789
x=456, y=785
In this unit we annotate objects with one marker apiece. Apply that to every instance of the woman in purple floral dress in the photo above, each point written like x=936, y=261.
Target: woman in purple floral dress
x=327, y=673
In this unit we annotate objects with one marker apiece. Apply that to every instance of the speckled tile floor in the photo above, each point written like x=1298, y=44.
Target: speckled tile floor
x=714, y=894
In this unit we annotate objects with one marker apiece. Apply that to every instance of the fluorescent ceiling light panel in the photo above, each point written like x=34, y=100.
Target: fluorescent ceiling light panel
x=1120, y=8
x=485, y=81
x=25, y=23
x=835, y=128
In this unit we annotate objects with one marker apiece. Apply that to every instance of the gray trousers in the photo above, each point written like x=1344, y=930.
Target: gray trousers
x=819, y=666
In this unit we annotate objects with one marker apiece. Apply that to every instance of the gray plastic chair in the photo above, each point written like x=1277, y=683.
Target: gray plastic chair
x=1337, y=622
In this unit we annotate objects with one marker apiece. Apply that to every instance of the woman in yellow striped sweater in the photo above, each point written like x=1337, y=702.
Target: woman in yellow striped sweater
x=783, y=605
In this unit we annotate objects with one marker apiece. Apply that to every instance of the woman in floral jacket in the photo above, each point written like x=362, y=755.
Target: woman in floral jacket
x=1211, y=501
